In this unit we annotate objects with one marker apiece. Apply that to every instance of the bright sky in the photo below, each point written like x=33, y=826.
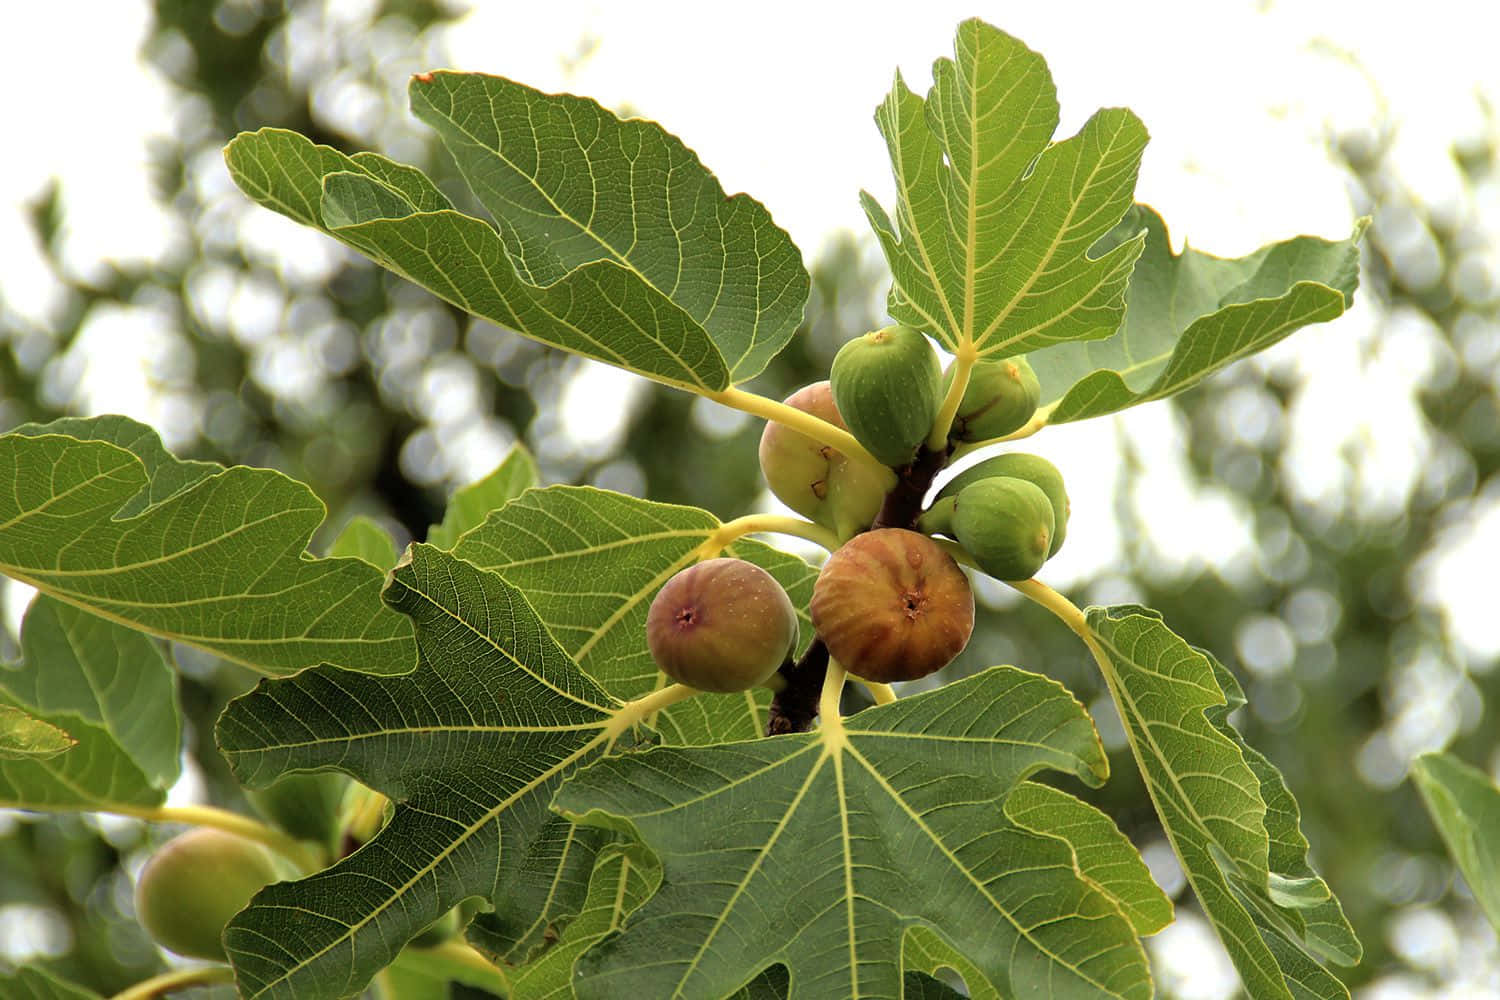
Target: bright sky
x=778, y=99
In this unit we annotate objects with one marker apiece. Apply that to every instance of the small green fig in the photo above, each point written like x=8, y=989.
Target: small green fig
x=307, y=806
x=440, y=930
x=1002, y=395
x=816, y=480
x=891, y=605
x=886, y=386
x=1017, y=465
x=195, y=883
x=721, y=625
x=1005, y=524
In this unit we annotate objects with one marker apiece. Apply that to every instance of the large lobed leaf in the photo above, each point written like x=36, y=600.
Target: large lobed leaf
x=590, y=561
x=818, y=851
x=1190, y=314
x=990, y=246
x=1465, y=807
x=471, y=745
x=614, y=241
x=1225, y=809
x=102, y=517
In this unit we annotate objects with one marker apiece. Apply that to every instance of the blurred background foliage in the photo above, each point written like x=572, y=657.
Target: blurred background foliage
x=273, y=347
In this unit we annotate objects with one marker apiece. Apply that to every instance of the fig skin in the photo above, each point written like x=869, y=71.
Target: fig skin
x=1001, y=397
x=307, y=806
x=891, y=605
x=816, y=480
x=1006, y=525
x=194, y=884
x=1017, y=465
x=721, y=625
x=886, y=386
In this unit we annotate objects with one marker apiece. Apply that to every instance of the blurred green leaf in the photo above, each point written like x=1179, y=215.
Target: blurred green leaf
x=995, y=221
x=1213, y=806
x=1188, y=315
x=201, y=554
x=34, y=984
x=590, y=561
x=471, y=504
x=570, y=184
x=364, y=538
x=818, y=850
x=1465, y=807
x=471, y=746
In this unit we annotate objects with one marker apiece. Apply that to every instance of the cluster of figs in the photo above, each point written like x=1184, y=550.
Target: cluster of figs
x=196, y=882
x=891, y=603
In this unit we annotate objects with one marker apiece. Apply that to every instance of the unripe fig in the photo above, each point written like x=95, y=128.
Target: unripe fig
x=1006, y=525
x=891, y=605
x=816, y=480
x=1002, y=395
x=439, y=930
x=195, y=883
x=886, y=386
x=721, y=625
x=305, y=805
x=1017, y=465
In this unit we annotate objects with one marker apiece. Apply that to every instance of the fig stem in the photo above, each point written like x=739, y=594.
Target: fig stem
x=963, y=366
x=303, y=854
x=1037, y=422
x=834, y=736
x=177, y=979
x=816, y=428
x=777, y=523
x=883, y=694
x=635, y=712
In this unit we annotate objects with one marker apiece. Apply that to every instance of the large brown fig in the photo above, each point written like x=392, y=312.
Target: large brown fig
x=721, y=625
x=1002, y=395
x=195, y=883
x=891, y=605
x=816, y=480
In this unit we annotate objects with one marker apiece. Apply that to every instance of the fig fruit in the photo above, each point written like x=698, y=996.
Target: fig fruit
x=1002, y=395
x=195, y=883
x=721, y=625
x=1017, y=465
x=891, y=605
x=1005, y=524
x=886, y=386
x=816, y=480
x=307, y=806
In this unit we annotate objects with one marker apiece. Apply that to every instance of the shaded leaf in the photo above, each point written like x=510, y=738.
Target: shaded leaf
x=364, y=538
x=25, y=737
x=35, y=984
x=1465, y=807
x=1223, y=807
x=995, y=221
x=818, y=850
x=1190, y=314
x=200, y=554
x=571, y=184
x=590, y=561
x=471, y=504
x=471, y=746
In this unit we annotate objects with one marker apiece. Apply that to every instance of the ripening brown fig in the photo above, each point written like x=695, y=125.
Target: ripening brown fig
x=891, y=605
x=721, y=625
x=195, y=883
x=816, y=480
x=1001, y=396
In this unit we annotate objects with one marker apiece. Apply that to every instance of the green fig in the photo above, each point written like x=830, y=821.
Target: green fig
x=1001, y=397
x=721, y=625
x=307, y=806
x=886, y=386
x=195, y=883
x=891, y=605
x=1005, y=524
x=1017, y=465
x=816, y=480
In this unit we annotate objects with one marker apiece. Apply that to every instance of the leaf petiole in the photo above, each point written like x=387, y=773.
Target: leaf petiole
x=304, y=855
x=777, y=523
x=1036, y=423
x=963, y=366
x=814, y=427
x=176, y=979
x=832, y=730
x=883, y=694
x=633, y=713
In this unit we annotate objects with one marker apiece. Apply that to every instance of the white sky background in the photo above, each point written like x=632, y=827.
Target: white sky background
x=779, y=100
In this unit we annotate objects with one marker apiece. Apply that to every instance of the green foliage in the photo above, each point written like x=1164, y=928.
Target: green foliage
x=626, y=836
x=1465, y=806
